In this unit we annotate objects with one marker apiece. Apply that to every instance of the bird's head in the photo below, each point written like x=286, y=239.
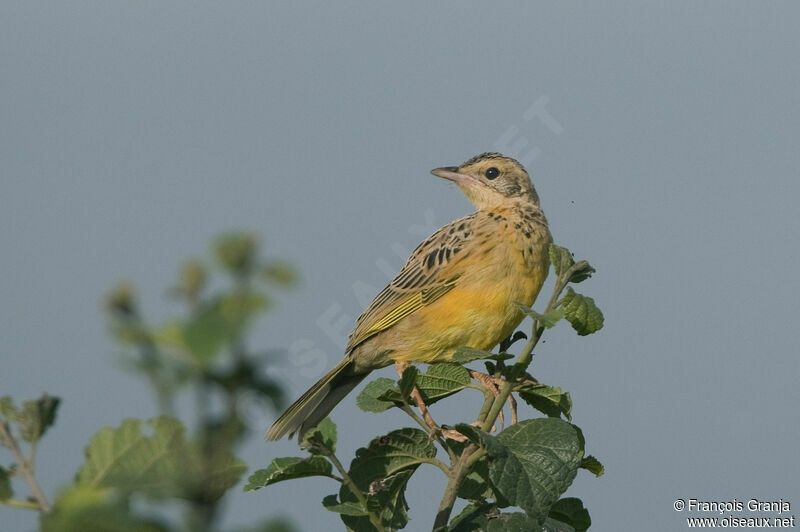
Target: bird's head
x=490, y=180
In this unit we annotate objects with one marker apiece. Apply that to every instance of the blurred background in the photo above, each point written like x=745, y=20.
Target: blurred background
x=662, y=139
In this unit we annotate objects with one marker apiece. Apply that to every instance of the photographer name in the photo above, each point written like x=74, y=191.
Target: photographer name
x=753, y=505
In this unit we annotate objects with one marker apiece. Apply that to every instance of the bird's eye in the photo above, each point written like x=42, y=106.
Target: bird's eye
x=492, y=173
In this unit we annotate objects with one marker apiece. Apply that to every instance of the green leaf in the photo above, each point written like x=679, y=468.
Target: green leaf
x=581, y=312
x=321, y=439
x=191, y=280
x=331, y=502
x=92, y=508
x=287, y=469
x=369, y=399
x=5, y=485
x=513, y=522
x=550, y=401
x=213, y=476
x=388, y=454
x=494, y=449
x=593, y=465
x=582, y=271
x=541, y=460
x=161, y=465
x=236, y=252
x=570, y=510
x=125, y=458
x=407, y=382
x=442, y=380
x=7, y=408
x=465, y=355
x=280, y=273
x=278, y=524
x=220, y=321
x=554, y=525
x=560, y=258
x=486, y=518
x=37, y=416
x=548, y=320
x=385, y=498
x=471, y=518
x=381, y=471
x=477, y=486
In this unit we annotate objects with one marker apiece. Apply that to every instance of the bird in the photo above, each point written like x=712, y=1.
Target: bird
x=458, y=288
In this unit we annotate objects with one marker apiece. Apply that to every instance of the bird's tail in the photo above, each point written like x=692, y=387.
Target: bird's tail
x=314, y=405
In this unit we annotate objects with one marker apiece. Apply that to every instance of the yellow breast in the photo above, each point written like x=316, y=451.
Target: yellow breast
x=479, y=311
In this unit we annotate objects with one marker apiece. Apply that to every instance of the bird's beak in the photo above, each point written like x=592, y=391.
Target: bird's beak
x=451, y=173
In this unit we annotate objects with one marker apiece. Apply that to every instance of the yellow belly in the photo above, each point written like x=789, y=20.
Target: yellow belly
x=479, y=312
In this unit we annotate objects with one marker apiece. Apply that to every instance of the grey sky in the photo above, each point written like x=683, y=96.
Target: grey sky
x=131, y=133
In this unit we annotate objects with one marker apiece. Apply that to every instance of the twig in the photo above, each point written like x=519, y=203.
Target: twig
x=459, y=472
x=27, y=505
x=25, y=467
x=431, y=433
x=472, y=453
x=347, y=481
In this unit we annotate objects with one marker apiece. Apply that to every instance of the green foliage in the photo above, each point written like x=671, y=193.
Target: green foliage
x=202, y=353
x=34, y=418
x=386, y=499
x=593, y=465
x=529, y=465
x=388, y=454
x=287, y=469
x=560, y=258
x=465, y=355
x=213, y=325
x=548, y=320
x=370, y=398
x=5, y=485
x=540, y=459
x=160, y=466
x=571, y=512
x=321, y=439
x=352, y=508
x=95, y=508
x=581, y=312
x=549, y=401
x=487, y=518
x=236, y=252
x=381, y=471
x=442, y=380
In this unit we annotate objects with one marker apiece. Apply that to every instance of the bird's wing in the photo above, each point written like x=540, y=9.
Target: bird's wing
x=427, y=275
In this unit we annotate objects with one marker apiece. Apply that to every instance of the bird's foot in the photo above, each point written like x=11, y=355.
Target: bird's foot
x=493, y=384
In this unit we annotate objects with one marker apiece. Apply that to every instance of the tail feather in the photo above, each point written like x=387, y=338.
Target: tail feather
x=314, y=405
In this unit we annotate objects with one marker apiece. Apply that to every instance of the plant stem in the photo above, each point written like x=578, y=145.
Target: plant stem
x=27, y=505
x=408, y=410
x=472, y=453
x=459, y=472
x=375, y=520
x=525, y=357
x=25, y=467
x=488, y=401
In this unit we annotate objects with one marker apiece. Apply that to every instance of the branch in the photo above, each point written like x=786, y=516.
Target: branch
x=348, y=481
x=459, y=472
x=27, y=505
x=431, y=433
x=525, y=357
x=472, y=453
x=26, y=468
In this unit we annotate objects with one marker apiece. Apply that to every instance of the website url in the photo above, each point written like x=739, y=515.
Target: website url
x=740, y=522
